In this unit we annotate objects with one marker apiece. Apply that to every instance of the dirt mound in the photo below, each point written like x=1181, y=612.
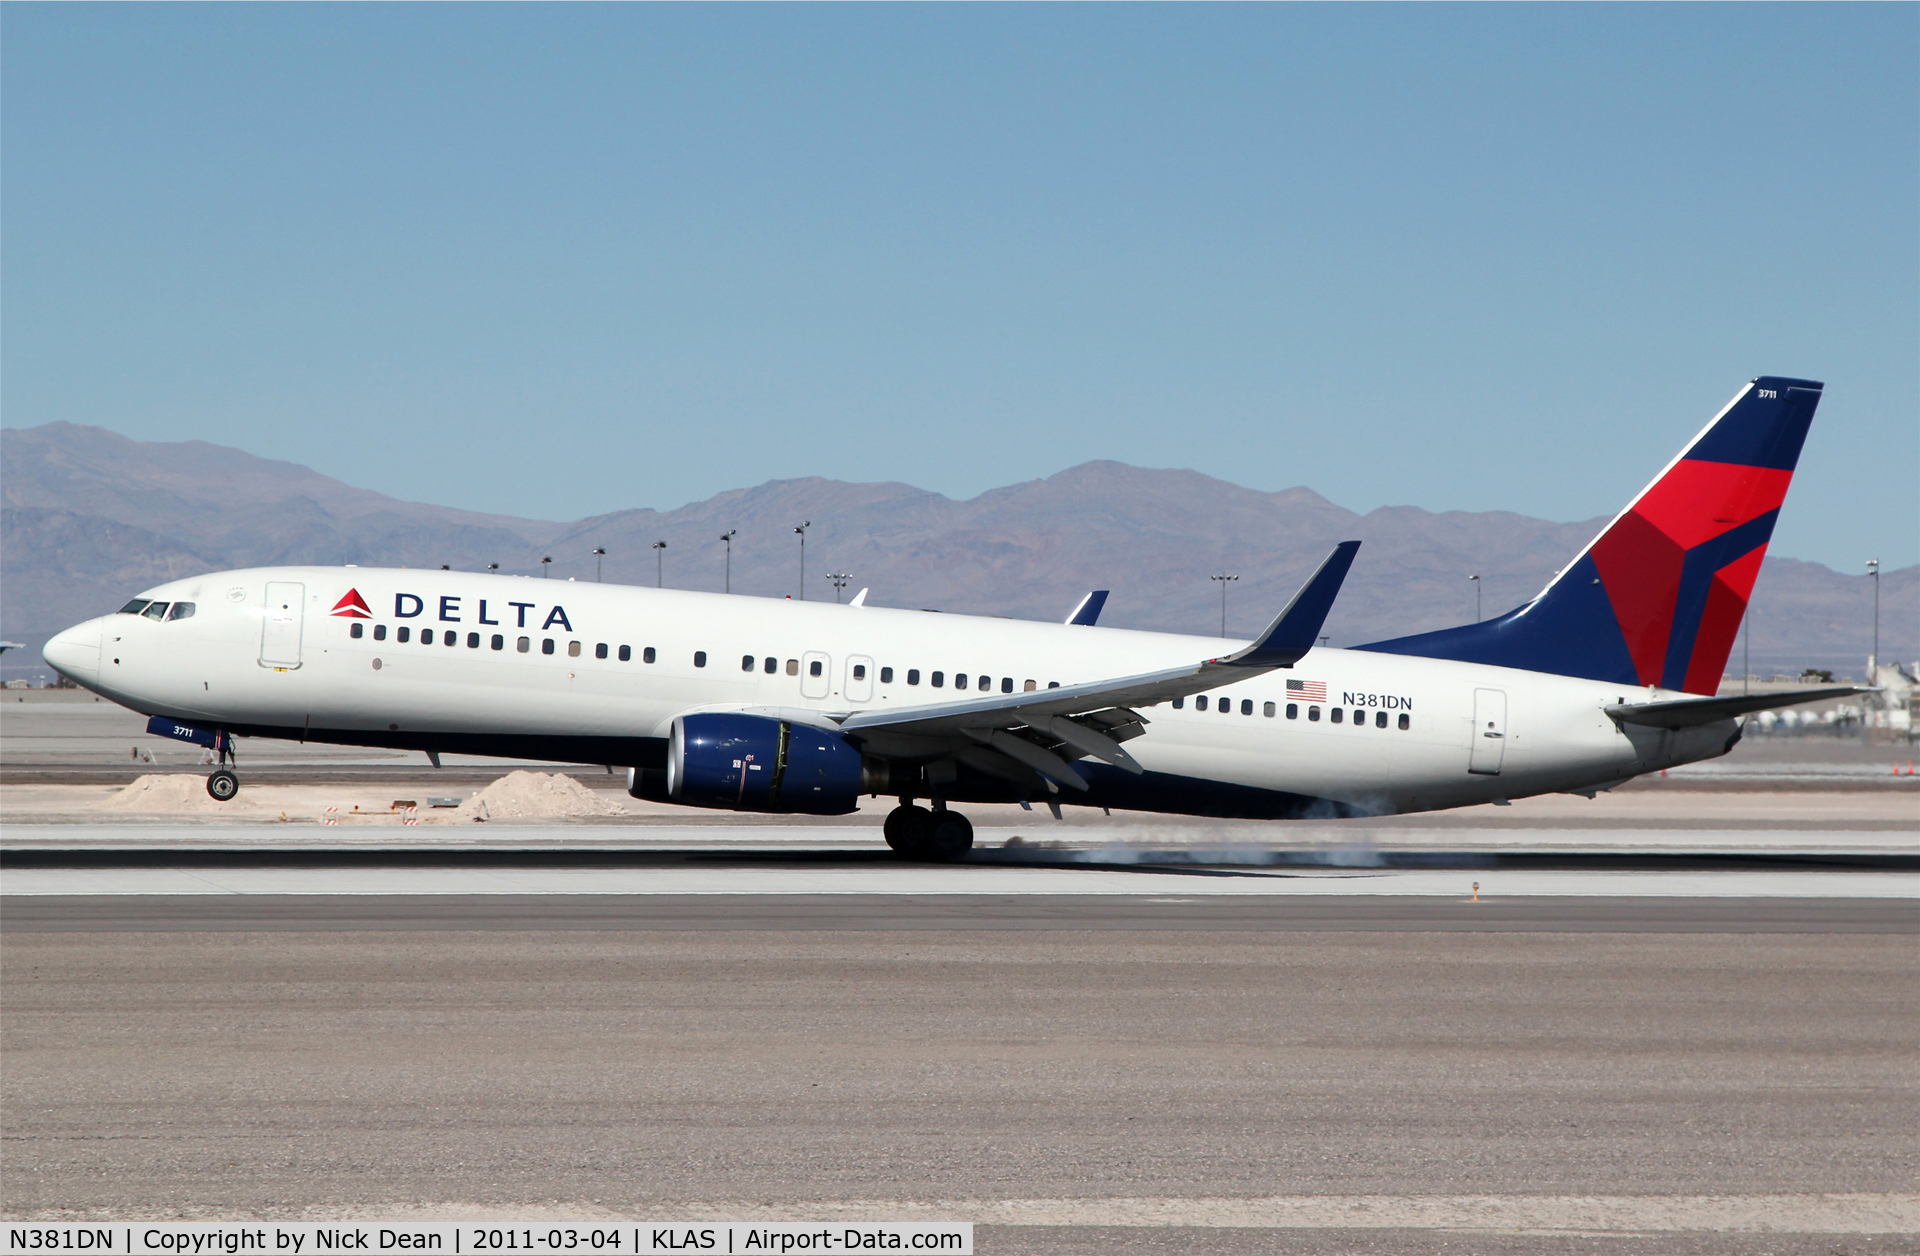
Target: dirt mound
x=172, y=793
x=523, y=795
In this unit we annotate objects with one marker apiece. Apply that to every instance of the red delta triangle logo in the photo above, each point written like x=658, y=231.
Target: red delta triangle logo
x=353, y=606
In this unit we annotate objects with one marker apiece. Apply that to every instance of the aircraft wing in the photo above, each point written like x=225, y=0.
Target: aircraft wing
x=1285, y=641
x=1692, y=712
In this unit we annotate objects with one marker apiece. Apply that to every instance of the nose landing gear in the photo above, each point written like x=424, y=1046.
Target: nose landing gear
x=224, y=783
x=938, y=834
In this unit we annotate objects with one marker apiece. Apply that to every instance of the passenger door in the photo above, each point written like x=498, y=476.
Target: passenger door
x=816, y=674
x=280, y=633
x=859, y=687
x=1489, y=732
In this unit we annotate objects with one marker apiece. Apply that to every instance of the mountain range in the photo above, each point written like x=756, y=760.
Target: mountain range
x=91, y=517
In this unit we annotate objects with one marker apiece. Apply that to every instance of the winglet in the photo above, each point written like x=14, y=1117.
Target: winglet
x=1290, y=636
x=1087, y=614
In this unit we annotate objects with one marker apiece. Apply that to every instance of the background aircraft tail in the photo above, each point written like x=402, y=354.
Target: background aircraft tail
x=1657, y=597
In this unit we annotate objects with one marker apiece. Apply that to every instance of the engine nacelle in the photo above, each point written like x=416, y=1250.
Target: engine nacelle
x=752, y=763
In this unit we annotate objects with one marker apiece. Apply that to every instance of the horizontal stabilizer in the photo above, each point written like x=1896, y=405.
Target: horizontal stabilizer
x=1693, y=712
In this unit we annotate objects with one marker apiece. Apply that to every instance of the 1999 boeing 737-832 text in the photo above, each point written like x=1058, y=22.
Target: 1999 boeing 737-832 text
x=756, y=704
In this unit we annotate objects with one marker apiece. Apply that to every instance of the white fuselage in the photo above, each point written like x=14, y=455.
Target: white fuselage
x=532, y=661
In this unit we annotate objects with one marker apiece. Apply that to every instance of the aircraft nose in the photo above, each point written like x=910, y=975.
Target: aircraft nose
x=75, y=653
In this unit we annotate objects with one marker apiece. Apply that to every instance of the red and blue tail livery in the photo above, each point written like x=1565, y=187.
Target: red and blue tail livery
x=1657, y=598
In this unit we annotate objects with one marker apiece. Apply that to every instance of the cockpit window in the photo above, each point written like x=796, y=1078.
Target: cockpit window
x=156, y=610
x=134, y=607
x=181, y=610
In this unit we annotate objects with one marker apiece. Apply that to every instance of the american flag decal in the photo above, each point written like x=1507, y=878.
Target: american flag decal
x=1307, y=690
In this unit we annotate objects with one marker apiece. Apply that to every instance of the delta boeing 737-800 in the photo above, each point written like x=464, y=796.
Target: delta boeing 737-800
x=778, y=706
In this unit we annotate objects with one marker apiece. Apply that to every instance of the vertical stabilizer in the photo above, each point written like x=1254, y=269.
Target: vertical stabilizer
x=1657, y=597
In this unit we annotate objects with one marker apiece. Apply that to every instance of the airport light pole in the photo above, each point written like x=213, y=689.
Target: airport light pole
x=801, y=532
x=1224, y=580
x=599, y=556
x=839, y=579
x=659, y=564
x=544, y=564
x=1746, y=651
x=1873, y=664
x=727, y=536
x=1476, y=597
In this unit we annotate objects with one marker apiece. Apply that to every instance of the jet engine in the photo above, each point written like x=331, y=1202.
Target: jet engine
x=753, y=763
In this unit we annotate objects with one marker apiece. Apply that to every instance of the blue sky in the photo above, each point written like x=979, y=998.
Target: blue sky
x=553, y=260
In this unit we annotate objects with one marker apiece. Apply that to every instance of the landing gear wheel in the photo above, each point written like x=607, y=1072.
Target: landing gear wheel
x=223, y=785
x=950, y=836
x=906, y=828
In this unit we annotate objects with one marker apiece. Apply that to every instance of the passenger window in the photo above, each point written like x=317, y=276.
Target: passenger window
x=814, y=668
x=1226, y=706
x=646, y=655
x=1379, y=719
x=523, y=644
x=473, y=641
x=546, y=645
x=1335, y=715
x=355, y=630
x=402, y=635
x=770, y=666
x=573, y=649
x=1406, y=721
x=1029, y=687
x=859, y=671
x=886, y=675
x=793, y=667
x=1179, y=703
x=913, y=675
x=1267, y=710
x=1246, y=706
x=959, y=680
x=746, y=663
x=1053, y=684
x=181, y=610
x=426, y=636
x=1006, y=684
x=156, y=610
x=626, y=654
x=499, y=642
x=134, y=607
x=1293, y=710
x=1200, y=703
x=937, y=679
x=379, y=632
x=699, y=658
x=986, y=683
x=600, y=650
x=1313, y=715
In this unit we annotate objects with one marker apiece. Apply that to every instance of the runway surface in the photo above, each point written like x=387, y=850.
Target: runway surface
x=1638, y=1040
x=1085, y=1074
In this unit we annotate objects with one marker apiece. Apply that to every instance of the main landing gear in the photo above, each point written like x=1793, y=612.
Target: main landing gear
x=919, y=833
x=224, y=783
